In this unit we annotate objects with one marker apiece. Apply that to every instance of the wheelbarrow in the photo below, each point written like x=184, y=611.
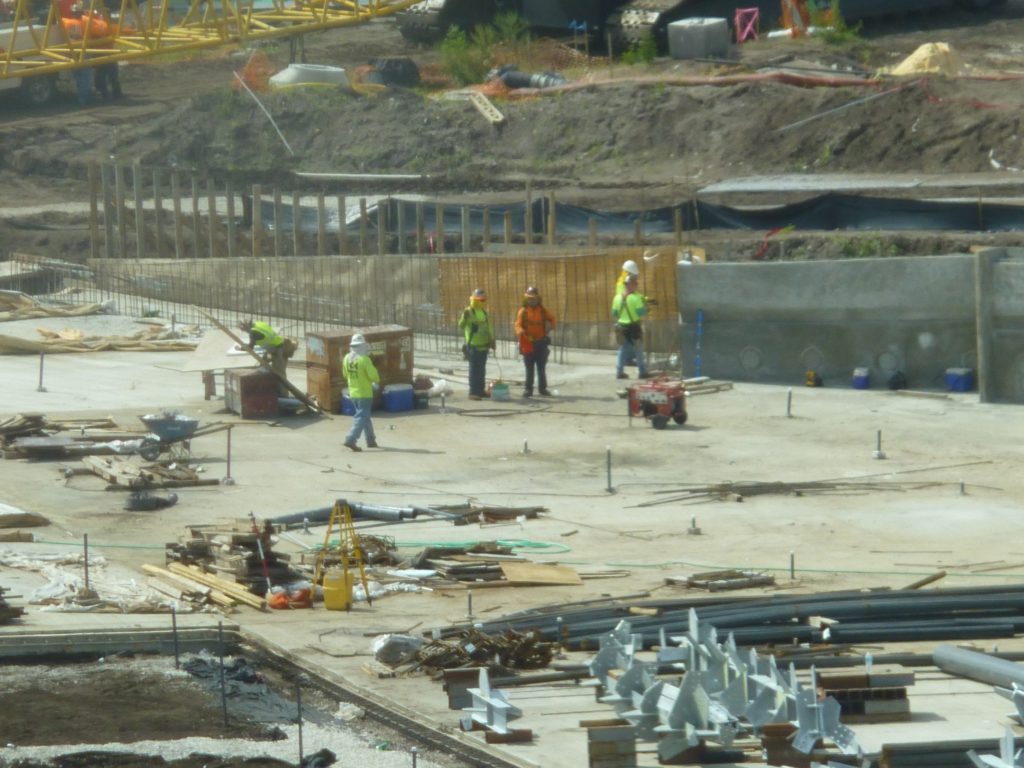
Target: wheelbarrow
x=165, y=431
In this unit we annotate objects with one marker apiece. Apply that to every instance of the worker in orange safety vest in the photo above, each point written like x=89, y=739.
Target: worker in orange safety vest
x=534, y=322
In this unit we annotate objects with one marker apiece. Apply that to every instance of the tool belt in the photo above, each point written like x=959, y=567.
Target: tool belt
x=630, y=332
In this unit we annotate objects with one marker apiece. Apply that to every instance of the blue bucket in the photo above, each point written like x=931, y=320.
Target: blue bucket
x=861, y=378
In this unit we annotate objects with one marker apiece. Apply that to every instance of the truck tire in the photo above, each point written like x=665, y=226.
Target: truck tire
x=39, y=91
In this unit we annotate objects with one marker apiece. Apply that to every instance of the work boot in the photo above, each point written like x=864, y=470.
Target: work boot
x=475, y=397
x=372, y=444
x=529, y=393
x=545, y=393
x=622, y=375
x=353, y=447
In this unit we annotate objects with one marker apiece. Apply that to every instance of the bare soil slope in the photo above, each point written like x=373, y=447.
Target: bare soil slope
x=642, y=139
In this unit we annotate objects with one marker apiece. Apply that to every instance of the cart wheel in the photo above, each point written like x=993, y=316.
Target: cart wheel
x=150, y=451
x=679, y=413
x=659, y=421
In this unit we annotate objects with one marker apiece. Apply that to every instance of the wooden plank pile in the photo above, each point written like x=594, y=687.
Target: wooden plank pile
x=190, y=583
x=122, y=474
x=239, y=556
x=34, y=436
x=7, y=611
x=718, y=581
x=489, y=564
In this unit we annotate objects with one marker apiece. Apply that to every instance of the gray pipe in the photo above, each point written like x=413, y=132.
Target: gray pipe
x=359, y=511
x=978, y=666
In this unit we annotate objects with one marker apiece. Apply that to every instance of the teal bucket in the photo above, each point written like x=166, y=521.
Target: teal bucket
x=500, y=391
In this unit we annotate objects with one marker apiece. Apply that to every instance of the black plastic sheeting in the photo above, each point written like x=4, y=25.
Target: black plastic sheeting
x=248, y=693
x=823, y=213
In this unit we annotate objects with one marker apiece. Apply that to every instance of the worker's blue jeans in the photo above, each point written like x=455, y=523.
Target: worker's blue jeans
x=83, y=85
x=631, y=349
x=477, y=370
x=361, y=421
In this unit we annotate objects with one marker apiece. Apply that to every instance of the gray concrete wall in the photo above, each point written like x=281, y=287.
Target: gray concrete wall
x=773, y=322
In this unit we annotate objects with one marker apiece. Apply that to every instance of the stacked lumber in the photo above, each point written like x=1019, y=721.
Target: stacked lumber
x=34, y=436
x=702, y=385
x=487, y=564
x=239, y=556
x=184, y=589
x=7, y=611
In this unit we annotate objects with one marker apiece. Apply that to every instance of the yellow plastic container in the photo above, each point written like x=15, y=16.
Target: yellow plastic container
x=337, y=589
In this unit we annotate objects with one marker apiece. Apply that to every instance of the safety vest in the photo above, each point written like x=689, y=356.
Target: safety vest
x=476, y=327
x=265, y=335
x=360, y=374
x=533, y=324
x=629, y=308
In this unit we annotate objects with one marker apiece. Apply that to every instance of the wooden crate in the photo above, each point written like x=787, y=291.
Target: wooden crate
x=252, y=394
x=325, y=386
x=391, y=347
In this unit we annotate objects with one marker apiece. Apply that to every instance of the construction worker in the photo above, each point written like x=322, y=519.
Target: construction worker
x=272, y=347
x=475, y=325
x=629, y=309
x=94, y=32
x=533, y=323
x=363, y=379
x=629, y=267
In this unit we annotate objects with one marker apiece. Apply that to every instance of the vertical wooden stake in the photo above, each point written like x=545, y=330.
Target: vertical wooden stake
x=296, y=225
x=508, y=227
x=278, y=246
x=467, y=232
x=108, y=223
x=552, y=218
x=179, y=239
x=212, y=219
x=229, y=194
x=257, y=221
x=321, y=225
x=528, y=215
x=158, y=214
x=439, y=228
x=592, y=231
x=140, y=222
x=342, y=224
x=122, y=223
x=487, y=229
x=421, y=239
x=195, y=216
x=94, y=216
x=363, y=222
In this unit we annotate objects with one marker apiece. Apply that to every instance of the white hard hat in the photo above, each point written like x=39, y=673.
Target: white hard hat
x=630, y=266
x=358, y=340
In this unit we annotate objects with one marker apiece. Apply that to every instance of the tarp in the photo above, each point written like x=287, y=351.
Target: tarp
x=827, y=212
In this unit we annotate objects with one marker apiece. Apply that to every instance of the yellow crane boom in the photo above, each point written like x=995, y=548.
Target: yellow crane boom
x=34, y=41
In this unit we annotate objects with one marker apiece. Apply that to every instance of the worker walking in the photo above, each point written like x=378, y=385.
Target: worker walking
x=476, y=328
x=272, y=347
x=534, y=322
x=629, y=267
x=629, y=309
x=363, y=379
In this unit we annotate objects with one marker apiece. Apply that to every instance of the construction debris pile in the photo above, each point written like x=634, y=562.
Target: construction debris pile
x=501, y=654
x=152, y=339
x=8, y=611
x=20, y=306
x=242, y=555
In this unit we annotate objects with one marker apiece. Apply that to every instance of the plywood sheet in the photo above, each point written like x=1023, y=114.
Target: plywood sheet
x=539, y=574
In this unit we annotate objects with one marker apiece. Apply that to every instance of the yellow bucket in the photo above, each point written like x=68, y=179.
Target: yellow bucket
x=337, y=589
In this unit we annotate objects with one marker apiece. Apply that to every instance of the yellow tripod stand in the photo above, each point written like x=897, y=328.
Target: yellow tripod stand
x=349, y=549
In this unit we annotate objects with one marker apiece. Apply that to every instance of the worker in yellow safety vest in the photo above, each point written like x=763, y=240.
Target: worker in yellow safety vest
x=362, y=378
x=272, y=347
x=629, y=309
x=476, y=328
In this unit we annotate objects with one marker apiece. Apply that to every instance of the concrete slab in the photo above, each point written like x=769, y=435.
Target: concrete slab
x=882, y=536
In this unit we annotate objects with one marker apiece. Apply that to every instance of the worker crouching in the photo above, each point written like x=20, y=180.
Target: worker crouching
x=534, y=323
x=273, y=348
